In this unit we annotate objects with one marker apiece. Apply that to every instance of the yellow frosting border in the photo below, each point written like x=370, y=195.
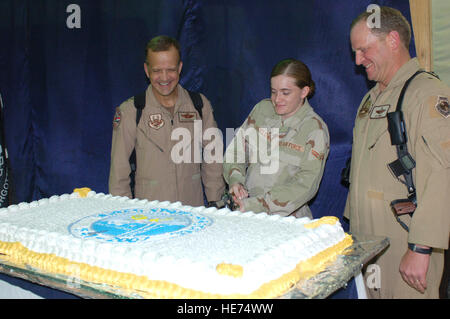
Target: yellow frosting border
x=230, y=270
x=50, y=263
x=82, y=191
x=330, y=220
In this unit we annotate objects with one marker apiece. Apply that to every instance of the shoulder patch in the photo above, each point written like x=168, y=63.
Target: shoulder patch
x=365, y=108
x=442, y=106
x=318, y=155
x=156, y=121
x=117, y=117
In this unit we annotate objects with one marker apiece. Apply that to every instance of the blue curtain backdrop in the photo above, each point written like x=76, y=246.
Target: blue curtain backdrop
x=61, y=85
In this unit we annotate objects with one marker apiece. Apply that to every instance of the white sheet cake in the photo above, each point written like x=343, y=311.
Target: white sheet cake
x=167, y=250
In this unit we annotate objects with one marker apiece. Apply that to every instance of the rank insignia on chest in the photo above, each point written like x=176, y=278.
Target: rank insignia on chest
x=380, y=111
x=187, y=116
x=156, y=121
x=365, y=108
x=117, y=117
x=442, y=106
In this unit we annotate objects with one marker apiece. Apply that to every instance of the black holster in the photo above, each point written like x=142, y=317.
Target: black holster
x=345, y=173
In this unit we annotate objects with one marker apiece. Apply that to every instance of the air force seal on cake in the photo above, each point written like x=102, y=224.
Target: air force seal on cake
x=137, y=225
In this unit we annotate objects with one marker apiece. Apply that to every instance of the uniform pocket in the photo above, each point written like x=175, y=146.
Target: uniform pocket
x=387, y=197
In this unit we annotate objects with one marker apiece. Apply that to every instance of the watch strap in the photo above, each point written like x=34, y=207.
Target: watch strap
x=425, y=251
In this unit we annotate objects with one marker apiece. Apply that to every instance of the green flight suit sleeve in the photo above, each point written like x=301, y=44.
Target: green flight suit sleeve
x=235, y=159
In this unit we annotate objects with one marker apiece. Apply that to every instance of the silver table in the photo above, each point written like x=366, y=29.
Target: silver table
x=338, y=274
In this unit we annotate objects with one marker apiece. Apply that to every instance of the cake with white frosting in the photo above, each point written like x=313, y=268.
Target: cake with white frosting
x=167, y=250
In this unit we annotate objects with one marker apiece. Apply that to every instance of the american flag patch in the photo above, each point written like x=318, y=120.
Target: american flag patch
x=117, y=116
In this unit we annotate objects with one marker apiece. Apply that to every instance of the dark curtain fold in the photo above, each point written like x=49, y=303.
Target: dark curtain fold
x=60, y=85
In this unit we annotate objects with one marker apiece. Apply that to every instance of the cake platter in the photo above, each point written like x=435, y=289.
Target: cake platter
x=335, y=276
x=341, y=271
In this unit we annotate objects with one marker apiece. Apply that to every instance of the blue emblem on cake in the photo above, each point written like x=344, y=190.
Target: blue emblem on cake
x=133, y=225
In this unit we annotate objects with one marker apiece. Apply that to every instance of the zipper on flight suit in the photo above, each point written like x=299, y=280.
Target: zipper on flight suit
x=176, y=175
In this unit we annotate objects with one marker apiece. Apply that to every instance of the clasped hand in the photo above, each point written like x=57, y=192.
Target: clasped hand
x=238, y=192
x=413, y=268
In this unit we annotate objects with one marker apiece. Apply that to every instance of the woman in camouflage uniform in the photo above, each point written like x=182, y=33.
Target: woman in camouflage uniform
x=298, y=141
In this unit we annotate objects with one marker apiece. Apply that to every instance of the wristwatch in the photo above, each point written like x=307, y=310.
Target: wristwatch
x=425, y=251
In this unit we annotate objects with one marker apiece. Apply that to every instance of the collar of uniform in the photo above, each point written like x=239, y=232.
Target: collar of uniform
x=266, y=111
x=181, y=99
x=402, y=75
x=294, y=120
x=405, y=72
x=184, y=101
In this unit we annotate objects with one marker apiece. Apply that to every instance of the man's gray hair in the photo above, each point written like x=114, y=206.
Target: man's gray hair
x=390, y=20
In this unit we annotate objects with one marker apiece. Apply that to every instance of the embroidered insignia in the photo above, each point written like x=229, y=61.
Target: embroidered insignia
x=379, y=111
x=365, y=108
x=292, y=146
x=117, y=117
x=317, y=155
x=156, y=121
x=187, y=116
x=442, y=106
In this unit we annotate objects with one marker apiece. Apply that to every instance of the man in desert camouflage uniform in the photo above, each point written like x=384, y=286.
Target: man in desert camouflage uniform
x=298, y=143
